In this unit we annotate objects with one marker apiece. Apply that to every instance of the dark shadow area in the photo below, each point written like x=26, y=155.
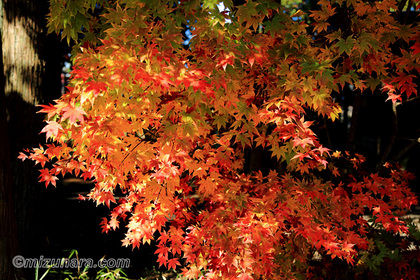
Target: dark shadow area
x=67, y=223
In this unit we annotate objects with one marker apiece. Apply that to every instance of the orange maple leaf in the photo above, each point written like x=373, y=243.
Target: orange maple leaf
x=114, y=223
x=105, y=198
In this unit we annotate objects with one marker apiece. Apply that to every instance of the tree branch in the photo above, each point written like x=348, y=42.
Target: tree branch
x=392, y=138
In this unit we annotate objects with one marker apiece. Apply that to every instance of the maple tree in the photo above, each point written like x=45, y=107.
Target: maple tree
x=166, y=124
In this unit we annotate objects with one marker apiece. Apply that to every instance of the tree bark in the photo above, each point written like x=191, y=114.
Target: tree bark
x=24, y=63
x=8, y=232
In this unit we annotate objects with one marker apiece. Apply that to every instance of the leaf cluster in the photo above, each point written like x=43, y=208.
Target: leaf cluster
x=167, y=125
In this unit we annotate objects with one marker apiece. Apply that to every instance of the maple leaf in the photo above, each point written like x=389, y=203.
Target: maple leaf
x=163, y=237
x=22, y=156
x=162, y=260
x=323, y=150
x=105, y=198
x=376, y=210
x=51, y=129
x=302, y=142
x=114, y=223
x=388, y=87
x=301, y=156
x=105, y=226
x=96, y=87
x=172, y=263
x=278, y=152
x=345, y=45
x=336, y=154
x=162, y=250
x=207, y=186
x=73, y=114
x=394, y=97
x=47, y=177
x=402, y=266
x=416, y=46
x=51, y=110
x=190, y=273
x=335, y=172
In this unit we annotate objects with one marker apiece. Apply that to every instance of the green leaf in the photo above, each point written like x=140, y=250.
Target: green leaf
x=220, y=121
x=210, y=4
x=345, y=45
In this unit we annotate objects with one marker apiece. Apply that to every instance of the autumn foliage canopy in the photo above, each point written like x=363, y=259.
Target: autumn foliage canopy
x=166, y=124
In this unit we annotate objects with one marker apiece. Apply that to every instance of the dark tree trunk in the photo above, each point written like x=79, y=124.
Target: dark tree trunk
x=31, y=75
x=8, y=234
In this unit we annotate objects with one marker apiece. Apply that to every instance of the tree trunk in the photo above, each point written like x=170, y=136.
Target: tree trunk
x=8, y=232
x=25, y=56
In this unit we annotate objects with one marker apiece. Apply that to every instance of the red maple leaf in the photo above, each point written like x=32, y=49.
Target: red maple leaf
x=416, y=46
x=47, y=177
x=173, y=263
x=394, y=97
x=163, y=237
x=104, y=225
x=162, y=260
x=51, y=110
x=162, y=250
